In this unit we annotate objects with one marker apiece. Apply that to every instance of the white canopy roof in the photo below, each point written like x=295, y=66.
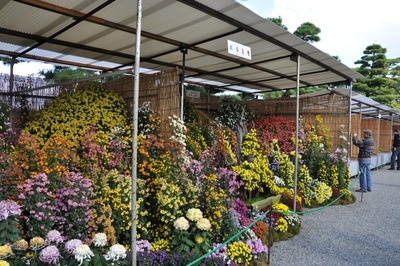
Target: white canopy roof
x=100, y=34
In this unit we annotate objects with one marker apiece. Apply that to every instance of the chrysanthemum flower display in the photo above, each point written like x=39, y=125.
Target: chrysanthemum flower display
x=39, y=204
x=4, y=263
x=116, y=252
x=195, y=236
x=72, y=244
x=50, y=255
x=9, y=212
x=36, y=242
x=54, y=237
x=143, y=246
x=239, y=252
x=257, y=247
x=194, y=214
x=21, y=244
x=323, y=192
x=5, y=251
x=9, y=208
x=76, y=178
x=99, y=240
x=82, y=253
x=71, y=114
x=73, y=204
x=281, y=225
x=203, y=224
x=181, y=224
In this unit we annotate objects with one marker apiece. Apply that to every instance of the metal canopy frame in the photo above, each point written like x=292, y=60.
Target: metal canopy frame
x=98, y=35
x=369, y=108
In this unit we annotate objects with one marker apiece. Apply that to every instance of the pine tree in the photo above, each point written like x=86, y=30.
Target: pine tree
x=376, y=84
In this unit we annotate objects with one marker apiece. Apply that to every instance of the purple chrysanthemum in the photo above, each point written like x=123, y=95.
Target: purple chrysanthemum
x=257, y=247
x=9, y=208
x=54, y=237
x=49, y=255
x=143, y=246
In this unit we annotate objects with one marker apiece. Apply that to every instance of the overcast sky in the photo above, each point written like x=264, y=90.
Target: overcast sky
x=347, y=26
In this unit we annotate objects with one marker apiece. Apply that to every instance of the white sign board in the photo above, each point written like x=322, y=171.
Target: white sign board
x=239, y=49
x=193, y=94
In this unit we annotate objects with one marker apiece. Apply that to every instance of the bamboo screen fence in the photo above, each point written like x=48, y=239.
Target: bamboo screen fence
x=160, y=89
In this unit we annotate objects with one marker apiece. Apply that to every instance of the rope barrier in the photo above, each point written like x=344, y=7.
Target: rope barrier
x=281, y=212
x=229, y=240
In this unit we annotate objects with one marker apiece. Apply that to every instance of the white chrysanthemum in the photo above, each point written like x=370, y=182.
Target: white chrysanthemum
x=194, y=214
x=116, y=252
x=278, y=181
x=100, y=240
x=181, y=224
x=83, y=252
x=203, y=224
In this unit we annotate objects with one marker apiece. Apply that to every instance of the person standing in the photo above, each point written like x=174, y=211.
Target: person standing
x=366, y=147
x=395, y=151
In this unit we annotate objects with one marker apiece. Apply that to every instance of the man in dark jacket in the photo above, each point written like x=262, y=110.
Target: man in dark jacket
x=395, y=151
x=366, y=147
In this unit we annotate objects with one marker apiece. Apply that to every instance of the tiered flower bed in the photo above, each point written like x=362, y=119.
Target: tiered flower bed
x=66, y=184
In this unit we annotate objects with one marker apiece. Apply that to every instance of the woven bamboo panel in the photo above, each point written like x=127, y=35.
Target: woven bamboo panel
x=381, y=133
x=336, y=125
x=385, y=136
x=161, y=90
x=372, y=124
x=205, y=103
x=355, y=128
x=328, y=103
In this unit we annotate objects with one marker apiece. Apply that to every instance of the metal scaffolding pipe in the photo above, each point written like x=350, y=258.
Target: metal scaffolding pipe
x=135, y=107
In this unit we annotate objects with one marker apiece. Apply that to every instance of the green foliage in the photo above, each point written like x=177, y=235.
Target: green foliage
x=199, y=135
x=317, y=151
x=202, y=89
x=254, y=171
x=7, y=60
x=377, y=84
x=4, y=115
x=148, y=120
x=118, y=194
x=232, y=113
x=278, y=21
x=292, y=92
x=63, y=74
x=9, y=231
x=308, y=32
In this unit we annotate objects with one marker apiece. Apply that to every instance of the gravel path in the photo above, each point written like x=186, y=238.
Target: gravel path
x=364, y=233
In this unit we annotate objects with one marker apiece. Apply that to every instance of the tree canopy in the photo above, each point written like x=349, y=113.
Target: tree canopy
x=278, y=21
x=381, y=76
x=308, y=32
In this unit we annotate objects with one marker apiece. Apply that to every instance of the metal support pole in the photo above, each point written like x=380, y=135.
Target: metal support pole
x=11, y=89
x=135, y=131
x=391, y=127
x=269, y=236
x=296, y=161
x=184, y=52
x=378, y=139
x=349, y=135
